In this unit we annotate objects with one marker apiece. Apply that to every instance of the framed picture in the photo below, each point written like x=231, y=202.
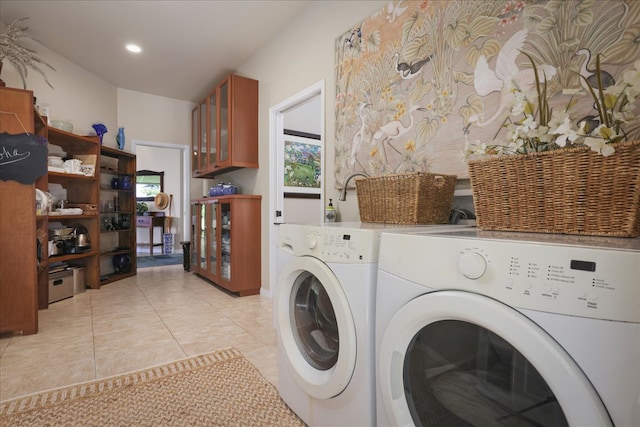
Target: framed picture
x=302, y=169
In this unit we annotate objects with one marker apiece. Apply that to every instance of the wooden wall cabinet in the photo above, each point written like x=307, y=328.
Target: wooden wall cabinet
x=19, y=267
x=225, y=128
x=117, y=213
x=226, y=242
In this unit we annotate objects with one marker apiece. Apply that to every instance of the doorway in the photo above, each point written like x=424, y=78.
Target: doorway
x=173, y=159
x=291, y=113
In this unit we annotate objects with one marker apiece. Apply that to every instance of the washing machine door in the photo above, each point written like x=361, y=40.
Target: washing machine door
x=315, y=327
x=458, y=358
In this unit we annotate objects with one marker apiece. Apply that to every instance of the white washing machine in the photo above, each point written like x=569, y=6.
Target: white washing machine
x=490, y=328
x=324, y=312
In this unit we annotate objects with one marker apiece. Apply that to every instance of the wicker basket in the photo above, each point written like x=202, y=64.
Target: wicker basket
x=567, y=191
x=87, y=208
x=411, y=198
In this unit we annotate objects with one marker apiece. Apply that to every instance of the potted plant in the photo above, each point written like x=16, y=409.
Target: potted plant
x=141, y=208
x=556, y=172
x=22, y=58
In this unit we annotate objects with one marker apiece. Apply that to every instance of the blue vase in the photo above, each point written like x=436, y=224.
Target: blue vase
x=120, y=138
x=125, y=183
x=100, y=130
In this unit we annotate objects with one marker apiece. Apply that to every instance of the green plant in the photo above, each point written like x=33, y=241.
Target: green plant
x=141, y=207
x=22, y=58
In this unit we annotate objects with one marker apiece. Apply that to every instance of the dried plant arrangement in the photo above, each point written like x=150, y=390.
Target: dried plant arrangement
x=22, y=58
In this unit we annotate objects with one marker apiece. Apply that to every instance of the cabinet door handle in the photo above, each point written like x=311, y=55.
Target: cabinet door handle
x=57, y=282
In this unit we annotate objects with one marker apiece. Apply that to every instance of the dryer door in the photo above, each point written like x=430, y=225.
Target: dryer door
x=458, y=358
x=315, y=327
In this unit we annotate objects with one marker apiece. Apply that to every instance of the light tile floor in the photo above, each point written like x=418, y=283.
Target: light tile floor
x=160, y=315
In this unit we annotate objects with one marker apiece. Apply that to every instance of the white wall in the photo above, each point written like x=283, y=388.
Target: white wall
x=303, y=54
x=154, y=118
x=77, y=96
x=304, y=117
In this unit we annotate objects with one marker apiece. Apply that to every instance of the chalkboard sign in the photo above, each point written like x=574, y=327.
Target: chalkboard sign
x=23, y=157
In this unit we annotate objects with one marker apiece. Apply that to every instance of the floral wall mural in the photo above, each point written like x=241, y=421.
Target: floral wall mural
x=418, y=80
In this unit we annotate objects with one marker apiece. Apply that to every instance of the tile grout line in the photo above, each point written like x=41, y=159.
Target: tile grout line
x=93, y=339
x=161, y=319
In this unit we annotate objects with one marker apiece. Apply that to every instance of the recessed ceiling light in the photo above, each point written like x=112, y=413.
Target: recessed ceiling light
x=133, y=48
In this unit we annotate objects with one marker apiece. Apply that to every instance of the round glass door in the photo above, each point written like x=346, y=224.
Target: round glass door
x=315, y=327
x=315, y=324
x=458, y=358
x=458, y=373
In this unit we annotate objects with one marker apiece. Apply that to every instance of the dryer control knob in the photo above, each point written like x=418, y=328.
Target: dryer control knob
x=312, y=240
x=472, y=265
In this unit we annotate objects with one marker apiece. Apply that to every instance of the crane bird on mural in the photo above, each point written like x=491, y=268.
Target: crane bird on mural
x=395, y=128
x=356, y=142
x=408, y=71
x=606, y=78
x=505, y=76
x=395, y=10
x=354, y=37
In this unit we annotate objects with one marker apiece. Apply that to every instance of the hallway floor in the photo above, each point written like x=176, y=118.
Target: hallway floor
x=161, y=315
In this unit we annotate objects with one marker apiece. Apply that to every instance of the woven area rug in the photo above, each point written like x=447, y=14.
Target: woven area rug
x=215, y=389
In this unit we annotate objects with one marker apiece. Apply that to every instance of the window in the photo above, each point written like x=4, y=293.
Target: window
x=148, y=184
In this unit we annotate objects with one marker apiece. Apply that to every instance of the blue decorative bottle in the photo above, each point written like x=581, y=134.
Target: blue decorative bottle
x=120, y=138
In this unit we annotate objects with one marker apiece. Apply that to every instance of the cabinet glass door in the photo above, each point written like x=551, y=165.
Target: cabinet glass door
x=202, y=238
x=213, y=233
x=203, y=135
x=213, y=137
x=224, y=121
x=195, y=139
x=195, y=240
x=225, y=241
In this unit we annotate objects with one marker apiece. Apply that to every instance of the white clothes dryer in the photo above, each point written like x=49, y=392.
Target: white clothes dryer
x=489, y=328
x=324, y=309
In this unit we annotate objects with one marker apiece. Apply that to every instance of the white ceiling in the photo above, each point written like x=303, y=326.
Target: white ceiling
x=188, y=46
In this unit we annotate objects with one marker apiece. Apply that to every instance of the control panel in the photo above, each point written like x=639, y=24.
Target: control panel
x=601, y=283
x=332, y=245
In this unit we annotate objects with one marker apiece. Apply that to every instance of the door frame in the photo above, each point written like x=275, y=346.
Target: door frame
x=276, y=195
x=185, y=153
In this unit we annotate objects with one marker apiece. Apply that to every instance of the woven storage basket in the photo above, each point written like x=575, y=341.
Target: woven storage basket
x=87, y=208
x=567, y=191
x=411, y=198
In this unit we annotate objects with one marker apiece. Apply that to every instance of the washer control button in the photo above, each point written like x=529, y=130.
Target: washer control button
x=312, y=240
x=472, y=265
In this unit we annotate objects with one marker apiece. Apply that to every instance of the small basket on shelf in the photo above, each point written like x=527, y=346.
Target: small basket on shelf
x=87, y=208
x=409, y=198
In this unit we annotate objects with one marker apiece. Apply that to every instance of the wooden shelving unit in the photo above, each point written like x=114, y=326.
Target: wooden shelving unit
x=80, y=190
x=118, y=222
